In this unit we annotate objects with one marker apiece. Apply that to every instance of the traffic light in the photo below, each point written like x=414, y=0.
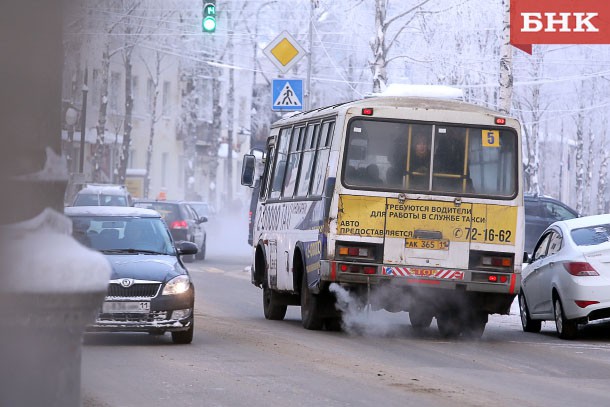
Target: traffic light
x=209, y=18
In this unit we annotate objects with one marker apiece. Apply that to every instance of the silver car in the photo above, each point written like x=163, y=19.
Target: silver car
x=568, y=278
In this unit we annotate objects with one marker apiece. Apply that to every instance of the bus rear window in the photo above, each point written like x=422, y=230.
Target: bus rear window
x=431, y=158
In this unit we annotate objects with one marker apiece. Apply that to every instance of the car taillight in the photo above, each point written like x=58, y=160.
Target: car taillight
x=585, y=304
x=580, y=269
x=179, y=224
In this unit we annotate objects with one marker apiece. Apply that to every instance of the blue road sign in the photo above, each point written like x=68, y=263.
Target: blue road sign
x=287, y=94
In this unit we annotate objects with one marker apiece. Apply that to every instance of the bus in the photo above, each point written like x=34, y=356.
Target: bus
x=407, y=203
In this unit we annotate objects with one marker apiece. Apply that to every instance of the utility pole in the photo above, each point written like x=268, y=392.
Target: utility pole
x=83, y=124
x=307, y=96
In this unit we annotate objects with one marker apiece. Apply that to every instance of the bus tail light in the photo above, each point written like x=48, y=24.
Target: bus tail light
x=357, y=268
x=492, y=261
x=356, y=251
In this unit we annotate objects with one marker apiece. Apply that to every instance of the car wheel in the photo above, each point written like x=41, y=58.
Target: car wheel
x=449, y=325
x=201, y=253
x=184, y=337
x=527, y=323
x=420, y=319
x=566, y=328
x=271, y=308
x=309, y=308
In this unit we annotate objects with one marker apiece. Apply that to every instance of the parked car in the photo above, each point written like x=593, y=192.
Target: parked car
x=103, y=195
x=568, y=278
x=183, y=223
x=540, y=212
x=202, y=208
x=150, y=290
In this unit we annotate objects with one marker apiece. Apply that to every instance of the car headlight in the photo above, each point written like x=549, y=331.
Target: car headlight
x=177, y=285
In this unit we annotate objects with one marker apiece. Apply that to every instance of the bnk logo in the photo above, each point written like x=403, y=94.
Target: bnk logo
x=559, y=22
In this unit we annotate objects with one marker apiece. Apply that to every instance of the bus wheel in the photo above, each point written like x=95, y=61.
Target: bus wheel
x=449, y=325
x=475, y=326
x=310, y=308
x=420, y=319
x=271, y=307
x=333, y=324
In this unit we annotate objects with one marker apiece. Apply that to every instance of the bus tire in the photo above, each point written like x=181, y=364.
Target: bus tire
x=310, y=308
x=420, y=319
x=449, y=325
x=272, y=308
x=474, y=326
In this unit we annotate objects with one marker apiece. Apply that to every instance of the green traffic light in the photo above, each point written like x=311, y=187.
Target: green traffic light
x=209, y=24
x=209, y=18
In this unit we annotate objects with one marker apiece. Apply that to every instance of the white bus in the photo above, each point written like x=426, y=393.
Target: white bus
x=411, y=204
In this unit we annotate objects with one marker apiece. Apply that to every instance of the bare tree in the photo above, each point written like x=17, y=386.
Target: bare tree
x=380, y=46
x=506, y=63
x=154, y=74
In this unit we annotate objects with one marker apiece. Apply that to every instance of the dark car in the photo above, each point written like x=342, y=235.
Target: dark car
x=183, y=222
x=150, y=290
x=202, y=208
x=540, y=212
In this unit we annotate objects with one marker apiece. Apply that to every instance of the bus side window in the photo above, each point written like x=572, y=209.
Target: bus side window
x=294, y=158
x=322, y=154
x=264, y=183
x=309, y=155
x=280, y=163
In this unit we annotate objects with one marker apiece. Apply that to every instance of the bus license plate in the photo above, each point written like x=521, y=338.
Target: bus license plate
x=126, y=306
x=427, y=244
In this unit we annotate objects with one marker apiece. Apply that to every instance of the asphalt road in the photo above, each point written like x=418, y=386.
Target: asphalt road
x=238, y=358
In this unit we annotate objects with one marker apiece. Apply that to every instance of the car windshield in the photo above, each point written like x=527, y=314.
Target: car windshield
x=113, y=234
x=100, y=199
x=202, y=209
x=591, y=235
x=169, y=212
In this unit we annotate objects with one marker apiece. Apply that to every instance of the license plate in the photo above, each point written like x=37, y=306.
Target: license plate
x=125, y=306
x=427, y=244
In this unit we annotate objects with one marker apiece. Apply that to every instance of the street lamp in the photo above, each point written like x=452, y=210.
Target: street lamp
x=83, y=125
x=71, y=117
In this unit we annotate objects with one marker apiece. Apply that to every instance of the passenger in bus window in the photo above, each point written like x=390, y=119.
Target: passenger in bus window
x=419, y=164
x=450, y=172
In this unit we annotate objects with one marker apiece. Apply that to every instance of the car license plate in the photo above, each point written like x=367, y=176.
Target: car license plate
x=110, y=307
x=428, y=244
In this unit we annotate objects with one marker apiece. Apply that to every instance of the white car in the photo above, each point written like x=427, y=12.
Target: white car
x=568, y=278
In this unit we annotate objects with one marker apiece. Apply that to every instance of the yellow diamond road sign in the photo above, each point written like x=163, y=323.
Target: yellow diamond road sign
x=284, y=51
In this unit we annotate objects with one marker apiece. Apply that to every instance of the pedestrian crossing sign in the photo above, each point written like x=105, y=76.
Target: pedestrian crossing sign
x=287, y=94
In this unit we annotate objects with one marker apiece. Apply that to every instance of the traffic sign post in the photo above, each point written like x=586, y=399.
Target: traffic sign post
x=287, y=95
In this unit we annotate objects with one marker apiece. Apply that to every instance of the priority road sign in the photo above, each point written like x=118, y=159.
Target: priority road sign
x=287, y=94
x=284, y=51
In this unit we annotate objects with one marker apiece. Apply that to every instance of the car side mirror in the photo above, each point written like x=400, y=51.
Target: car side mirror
x=184, y=247
x=247, y=172
x=202, y=219
x=527, y=258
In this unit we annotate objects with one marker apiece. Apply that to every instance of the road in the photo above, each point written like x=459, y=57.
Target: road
x=238, y=358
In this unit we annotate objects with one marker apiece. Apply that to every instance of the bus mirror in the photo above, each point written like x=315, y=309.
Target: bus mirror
x=247, y=171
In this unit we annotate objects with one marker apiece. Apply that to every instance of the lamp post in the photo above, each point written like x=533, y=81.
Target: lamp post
x=83, y=124
x=71, y=117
